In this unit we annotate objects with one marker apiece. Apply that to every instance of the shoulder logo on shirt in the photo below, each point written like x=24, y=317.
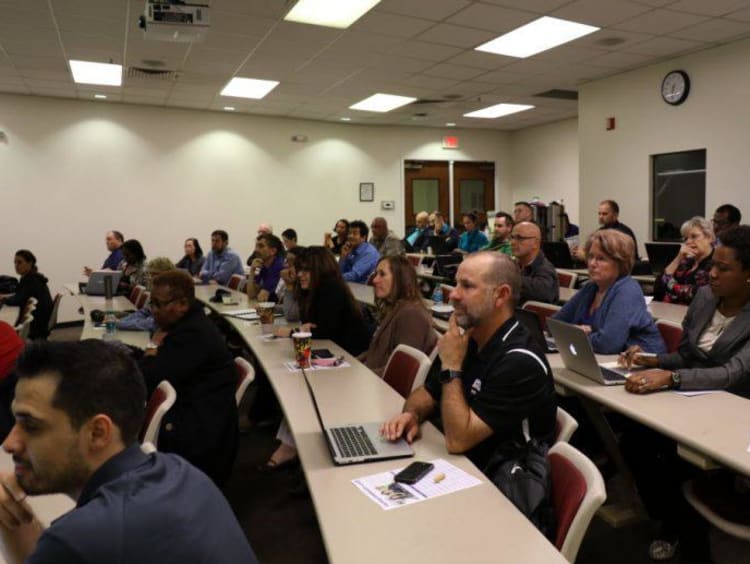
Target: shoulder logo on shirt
x=476, y=387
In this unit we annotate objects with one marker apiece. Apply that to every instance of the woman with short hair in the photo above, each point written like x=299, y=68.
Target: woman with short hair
x=32, y=284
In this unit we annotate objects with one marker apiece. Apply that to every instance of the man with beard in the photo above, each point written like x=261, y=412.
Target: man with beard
x=491, y=375
x=79, y=407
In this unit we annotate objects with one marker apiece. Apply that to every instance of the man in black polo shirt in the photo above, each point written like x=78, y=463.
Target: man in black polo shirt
x=79, y=407
x=491, y=375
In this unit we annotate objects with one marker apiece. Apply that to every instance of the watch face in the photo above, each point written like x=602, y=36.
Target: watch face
x=675, y=87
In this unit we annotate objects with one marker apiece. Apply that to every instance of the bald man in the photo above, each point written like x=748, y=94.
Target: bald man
x=383, y=239
x=538, y=275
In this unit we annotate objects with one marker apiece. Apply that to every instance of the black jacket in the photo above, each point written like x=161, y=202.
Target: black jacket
x=34, y=285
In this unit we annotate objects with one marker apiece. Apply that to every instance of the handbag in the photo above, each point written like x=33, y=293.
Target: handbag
x=522, y=473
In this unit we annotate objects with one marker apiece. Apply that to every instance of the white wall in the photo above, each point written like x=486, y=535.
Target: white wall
x=615, y=164
x=71, y=170
x=545, y=164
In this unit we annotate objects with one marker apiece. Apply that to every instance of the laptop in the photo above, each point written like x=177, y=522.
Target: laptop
x=533, y=324
x=558, y=253
x=578, y=356
x=447, y=265
x=660, y=255
x=358, y=442
x=96, y=284
x=438, y=244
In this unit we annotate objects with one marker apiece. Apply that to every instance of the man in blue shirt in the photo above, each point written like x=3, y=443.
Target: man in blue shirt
x=422, y=220
x=266, y=268
x=114, y=240
x=79, y=407
x=221, y=262
x=358, y=257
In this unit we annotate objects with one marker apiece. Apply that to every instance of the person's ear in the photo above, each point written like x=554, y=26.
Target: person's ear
x=502, y=294
x=100, y=432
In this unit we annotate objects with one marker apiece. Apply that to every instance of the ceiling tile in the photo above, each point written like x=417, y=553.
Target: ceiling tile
x=435, y=10
x=481, y=60
x=92, y=8
x=430, y=82
x=740, y=15
x=712, y=8
x=538, y=6
x=619, y=60
x=491, y=18
x=660, y=22
x=663, y=46
x=717, y=29
x=456, y=72
x=602, y=39
x=459, y=36
x=427, y=51
x=598, y=13
x=392, y=24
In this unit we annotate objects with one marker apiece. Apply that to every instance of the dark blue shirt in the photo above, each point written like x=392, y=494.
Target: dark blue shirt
x=154, y=508
x=113, y=260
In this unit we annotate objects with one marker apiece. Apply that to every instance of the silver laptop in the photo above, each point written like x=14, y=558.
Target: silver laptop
x=96, y=284
x=358, y=442
x=578, y=356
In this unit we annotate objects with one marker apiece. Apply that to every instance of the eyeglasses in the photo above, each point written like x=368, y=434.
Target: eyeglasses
x=158, y=304
x=522, y=238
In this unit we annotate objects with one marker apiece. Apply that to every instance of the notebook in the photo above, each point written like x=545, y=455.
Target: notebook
x=578, y=356
x=358, y=442
x=96, y=284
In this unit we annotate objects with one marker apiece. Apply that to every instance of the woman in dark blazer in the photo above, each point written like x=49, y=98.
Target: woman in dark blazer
x=32, y=284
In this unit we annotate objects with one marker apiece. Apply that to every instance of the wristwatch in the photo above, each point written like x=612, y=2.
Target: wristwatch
x=676, y=380
x=449, y=375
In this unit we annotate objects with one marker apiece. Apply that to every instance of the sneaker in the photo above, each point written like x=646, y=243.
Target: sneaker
x=661, y=550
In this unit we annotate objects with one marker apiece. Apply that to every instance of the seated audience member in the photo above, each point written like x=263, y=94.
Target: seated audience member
x=328, y=310
x=336, y=242
x=438, y=228
x=726, y=217
x=538, y=275
x=192, y=355
x=491, y=376
x=287, y=281
x=690, y=268
x=403, y=318
x=289, y=238
x=143, y=319
x=193, y=260
x=32, y=284
x=383, y=239
x=503, y=226
x=522, y=211
x=358, y=257
x=609, y=214
x=422, y=220
x=472, y=239
x=266, y=268
x=79, y=407
x=714, y=354
x=133, y=266
x=610, y=307
x=222, y=262
x=114, y=240
x=11, y=346
x=263, y=229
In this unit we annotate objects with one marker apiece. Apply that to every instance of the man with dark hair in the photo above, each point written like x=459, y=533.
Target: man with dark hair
x=79, y=407
x=609, y=214
x=726, y=217
x=522, y=212
x=222, y=262
x=491, y=374
x=266, y=268
x=114, y=240
x=501, y=239
x=538, y=275
x=383, y=239
x=358, y=257
x=191, y=354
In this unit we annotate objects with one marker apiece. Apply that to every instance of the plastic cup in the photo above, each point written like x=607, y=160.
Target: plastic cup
x=265, y=313
x=302, y=348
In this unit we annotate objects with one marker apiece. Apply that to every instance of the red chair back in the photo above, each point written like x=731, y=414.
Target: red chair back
x=157, y=398
x=542, y=310
x=671, y=333
x=142, y=299
x=564, y=279
x=568, y=491
x=234, y=281
x=401, y=371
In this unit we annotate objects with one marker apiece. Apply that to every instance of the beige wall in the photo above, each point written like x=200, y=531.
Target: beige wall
x=615, y=164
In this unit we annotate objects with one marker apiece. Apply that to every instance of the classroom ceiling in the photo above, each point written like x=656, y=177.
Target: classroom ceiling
x=419, y=48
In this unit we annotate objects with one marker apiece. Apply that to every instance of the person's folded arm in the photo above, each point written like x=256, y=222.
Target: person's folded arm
x=463, y=428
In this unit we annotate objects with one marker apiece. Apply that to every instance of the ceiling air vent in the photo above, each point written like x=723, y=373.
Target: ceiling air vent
x=160, y=75
x=558, y=94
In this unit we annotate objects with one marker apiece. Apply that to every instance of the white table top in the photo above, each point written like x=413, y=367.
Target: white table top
x=120, y=303
x=9, y=314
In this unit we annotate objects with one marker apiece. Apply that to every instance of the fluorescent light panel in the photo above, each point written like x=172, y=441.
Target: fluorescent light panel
x=86, y=72
x=249, y=88
x=100, y=96
x=537, y=36
x=330, y=13
x=498, y=110
x=382, y=103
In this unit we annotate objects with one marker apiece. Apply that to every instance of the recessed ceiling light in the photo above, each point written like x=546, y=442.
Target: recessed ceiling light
x=498, y=110
x=346, y=119
x=537, y=36
x=86, y=72
x=450, y=124
x=100, y=96
x=330, y=13
x=229, y=108
x=249, y=88
x=382, y=103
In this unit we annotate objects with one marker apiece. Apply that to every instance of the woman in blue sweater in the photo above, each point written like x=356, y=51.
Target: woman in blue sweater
x=610, y=308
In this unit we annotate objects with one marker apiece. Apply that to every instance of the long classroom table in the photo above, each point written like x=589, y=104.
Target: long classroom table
x=475, y=525
x=119, y=303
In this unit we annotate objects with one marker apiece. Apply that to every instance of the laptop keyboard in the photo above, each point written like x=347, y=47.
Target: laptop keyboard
x=611, y=375
x=353, y=441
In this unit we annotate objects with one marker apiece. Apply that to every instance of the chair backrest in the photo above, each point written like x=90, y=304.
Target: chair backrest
x=447, y=289
x=406, y=369
x=542, y=309
x=434, y=352
x=414, y=259
x=235, y=281
x=161, y=400
x=577, y=493
x=671, y=332
x=135, y=292
x=566, y=425
x=143, y=298
x=24, y=327
x=245, y=377
x=53, y=314
x=567, y=279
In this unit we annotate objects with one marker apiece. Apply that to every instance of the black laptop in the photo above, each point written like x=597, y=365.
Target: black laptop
x=660, y=255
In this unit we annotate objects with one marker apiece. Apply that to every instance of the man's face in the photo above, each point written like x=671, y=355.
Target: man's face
x=721, y=222
x=502, y=229
x=525, y=241
x=263, y=228
x=218, y=244
x=473, y=299
x=112, y=242
x=263, y=250
x=379, y=229
x=422, y=222
x=606, y=215
x=522, y=213
x=166, y=309
x=48, y=453
x=355, y=239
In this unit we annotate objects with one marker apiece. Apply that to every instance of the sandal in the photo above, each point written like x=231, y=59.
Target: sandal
x=661, y=549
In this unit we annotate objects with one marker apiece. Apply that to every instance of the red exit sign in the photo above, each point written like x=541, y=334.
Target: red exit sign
x=450, y=142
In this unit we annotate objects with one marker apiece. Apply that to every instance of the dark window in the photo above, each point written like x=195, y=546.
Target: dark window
x=679, y=191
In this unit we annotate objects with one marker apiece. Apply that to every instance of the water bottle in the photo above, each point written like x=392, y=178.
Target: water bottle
x=110, y=323
x=437, y=294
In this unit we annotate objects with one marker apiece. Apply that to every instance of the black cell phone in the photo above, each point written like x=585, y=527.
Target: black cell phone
x=321, y=353
x=414, y=472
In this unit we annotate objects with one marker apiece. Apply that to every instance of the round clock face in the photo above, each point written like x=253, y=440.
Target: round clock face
x=675, y=87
